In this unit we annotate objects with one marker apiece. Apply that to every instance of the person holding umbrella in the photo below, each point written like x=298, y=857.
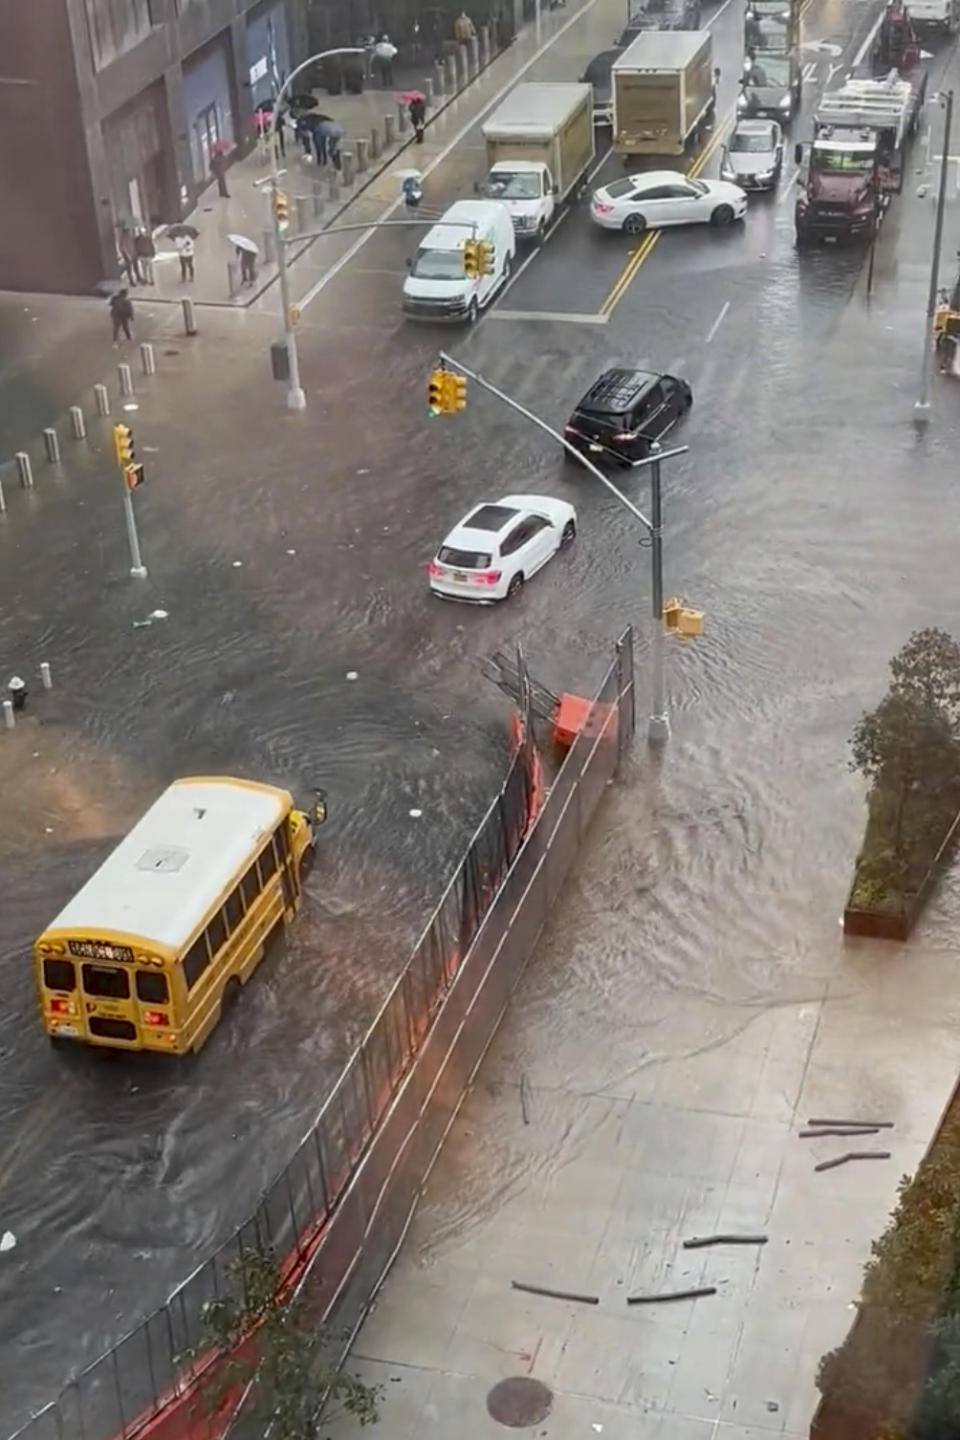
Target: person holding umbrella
x=416, y=103
x=247, y=253
x=384, y=53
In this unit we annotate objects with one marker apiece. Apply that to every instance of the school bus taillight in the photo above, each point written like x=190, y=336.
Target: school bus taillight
x=156, y=1018
x=59, y=1006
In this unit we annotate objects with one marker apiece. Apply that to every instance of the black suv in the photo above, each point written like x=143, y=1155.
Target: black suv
x=661, y=15
x=624, y=411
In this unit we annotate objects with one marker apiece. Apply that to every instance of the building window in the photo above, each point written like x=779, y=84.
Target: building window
x=117, y=25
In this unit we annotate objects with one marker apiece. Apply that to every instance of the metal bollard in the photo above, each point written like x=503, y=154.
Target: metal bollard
x=473, y=51
x=3, y=503
x=51, y=443
x=451, y=81
x=233, y=278
x=125, y=376
x=189, y=316
x=348, y=172
x=102, y=398
x=375, y=142
x=8, y=719
x=147, y=359
x=389, y=131
x=363, y=157
x=438, y=77
x=463, y=65
x=303, y=221
x=24, y=470
x=428, y=89
x=46, y=678
x=333, y=186
x=269, y=248
x=484, y=45
x=317, y=204
x=77, y=423
x=402, y=118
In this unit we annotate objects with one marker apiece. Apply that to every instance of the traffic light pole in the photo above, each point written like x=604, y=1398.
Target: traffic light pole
x=658, y=728
x=296, y=398
x=137, y=566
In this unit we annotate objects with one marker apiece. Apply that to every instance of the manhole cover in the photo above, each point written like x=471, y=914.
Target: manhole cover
x=519, y=1401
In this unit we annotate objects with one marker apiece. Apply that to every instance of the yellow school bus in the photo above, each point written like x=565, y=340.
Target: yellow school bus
x=155, y=946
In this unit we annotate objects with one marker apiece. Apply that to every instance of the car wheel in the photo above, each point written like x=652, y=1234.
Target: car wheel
x=516, y=585
x=473, y=310
x=569, y=535
x=687, y=399
x=507, y=268
x=635, y=224
x=722, y=215
x=541, y=232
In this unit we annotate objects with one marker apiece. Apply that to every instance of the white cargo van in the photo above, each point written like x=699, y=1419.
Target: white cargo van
x=437, y=288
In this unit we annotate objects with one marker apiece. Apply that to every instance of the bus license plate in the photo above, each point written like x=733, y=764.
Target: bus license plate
x=70, y=1031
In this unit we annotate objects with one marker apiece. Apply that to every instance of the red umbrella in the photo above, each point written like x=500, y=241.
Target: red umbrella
x=408, y=96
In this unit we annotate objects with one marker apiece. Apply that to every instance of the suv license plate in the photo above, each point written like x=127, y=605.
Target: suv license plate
x=597, y=449
x=459, y=575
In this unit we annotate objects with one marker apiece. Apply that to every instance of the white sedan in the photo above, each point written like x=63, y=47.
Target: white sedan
x=665, y=197
x=499, y=545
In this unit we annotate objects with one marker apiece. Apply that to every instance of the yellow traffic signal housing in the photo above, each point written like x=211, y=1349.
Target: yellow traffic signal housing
x=456, y=393
x=437, y=393
x=471, y=258
x=123, y=446
x=484, y=256
x=281, y=207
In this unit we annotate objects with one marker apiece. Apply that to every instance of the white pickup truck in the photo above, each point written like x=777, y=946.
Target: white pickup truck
x=540, y=146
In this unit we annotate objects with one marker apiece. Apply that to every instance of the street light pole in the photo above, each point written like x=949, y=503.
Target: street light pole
x=658, y=729
x=296, y=398
x=921, y=410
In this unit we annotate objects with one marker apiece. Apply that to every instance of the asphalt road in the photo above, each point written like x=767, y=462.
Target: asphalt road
x=789, y=522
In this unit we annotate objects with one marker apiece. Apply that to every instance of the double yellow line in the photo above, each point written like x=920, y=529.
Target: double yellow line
x=649, y=242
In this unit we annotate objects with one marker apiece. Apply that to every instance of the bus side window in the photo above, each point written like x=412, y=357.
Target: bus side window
x=250, y=885
x=216, y=934
x=268, y=863
x=195, y=961
x=233, y=910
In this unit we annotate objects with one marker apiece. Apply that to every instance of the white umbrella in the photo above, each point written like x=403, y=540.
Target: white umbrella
x=242, y=243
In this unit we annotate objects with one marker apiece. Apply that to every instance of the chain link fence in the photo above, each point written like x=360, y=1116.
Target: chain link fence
x=339, y=1210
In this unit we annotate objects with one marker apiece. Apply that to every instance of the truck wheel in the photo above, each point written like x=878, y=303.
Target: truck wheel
x=541, y=232
x=635, y=224
x=722, y=215
x=473, y=311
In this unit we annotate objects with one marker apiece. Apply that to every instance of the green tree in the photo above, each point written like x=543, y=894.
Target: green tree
x=906, y=748
x=292, y=1373
x=928, y=667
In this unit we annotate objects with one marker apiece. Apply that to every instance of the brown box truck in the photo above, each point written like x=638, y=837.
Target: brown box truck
x=664, y=92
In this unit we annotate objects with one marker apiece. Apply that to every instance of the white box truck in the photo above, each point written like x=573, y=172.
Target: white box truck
x=540, y=147
x=664, y=92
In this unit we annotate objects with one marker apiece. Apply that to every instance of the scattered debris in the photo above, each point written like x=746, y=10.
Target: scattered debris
x=840, y=1130
x=773, y=1406
x=597, y=1427
x=857, y=1124
x=555, y=1294
x=8, y=1241
x=853, y=1155
x=291, y=552
x=699, y=1241
x=158, y=615
x=352, y=675
x=672, y=1295
x=523, y=1100
x=415, y=813
x=237, y=564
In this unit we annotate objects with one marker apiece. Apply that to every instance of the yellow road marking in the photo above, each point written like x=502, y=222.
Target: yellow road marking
x=649, y=241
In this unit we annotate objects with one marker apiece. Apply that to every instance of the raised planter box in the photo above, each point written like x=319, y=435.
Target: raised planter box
x=897, y=924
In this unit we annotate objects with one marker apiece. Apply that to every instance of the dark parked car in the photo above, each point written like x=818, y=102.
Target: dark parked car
x=625, y=411
x=598, y=75
x=660, y=15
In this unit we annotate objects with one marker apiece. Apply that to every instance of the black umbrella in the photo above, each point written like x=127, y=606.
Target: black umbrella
x=310, y=122
x=177, y=231
x=306, y=101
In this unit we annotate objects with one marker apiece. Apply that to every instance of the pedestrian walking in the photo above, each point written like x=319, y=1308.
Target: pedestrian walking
x=186, y=251
x=282, y=133
x=248, y=266
x=418, y=116
x=218, y=169
x=464, y=29
x=146, y=252
x=127, y=253
x=121, y=315
x=384, y=53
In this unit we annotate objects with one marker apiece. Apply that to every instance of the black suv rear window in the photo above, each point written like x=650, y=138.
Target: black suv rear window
x=463, y=559
x=616, y=393
x=490, y=517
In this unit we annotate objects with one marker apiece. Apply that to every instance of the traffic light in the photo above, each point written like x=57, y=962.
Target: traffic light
x=281, y=208
x=133, y=474
x=484, y=253
x=437, y=393
x=456, y=393
x=471, y=258
x=123, y=445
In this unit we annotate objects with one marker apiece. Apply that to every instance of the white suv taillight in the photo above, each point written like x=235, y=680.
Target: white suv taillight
x=487, y=577
x=599, y=208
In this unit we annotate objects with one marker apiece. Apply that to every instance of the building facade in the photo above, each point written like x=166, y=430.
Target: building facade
x=111, y=112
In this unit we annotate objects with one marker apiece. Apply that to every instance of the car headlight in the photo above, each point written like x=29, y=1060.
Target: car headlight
x=766, y=175
x=742, y=102
x=786, y=102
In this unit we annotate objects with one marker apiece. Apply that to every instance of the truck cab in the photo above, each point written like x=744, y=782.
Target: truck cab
x=838, y=194
x=770, y=86
x=528, y=190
